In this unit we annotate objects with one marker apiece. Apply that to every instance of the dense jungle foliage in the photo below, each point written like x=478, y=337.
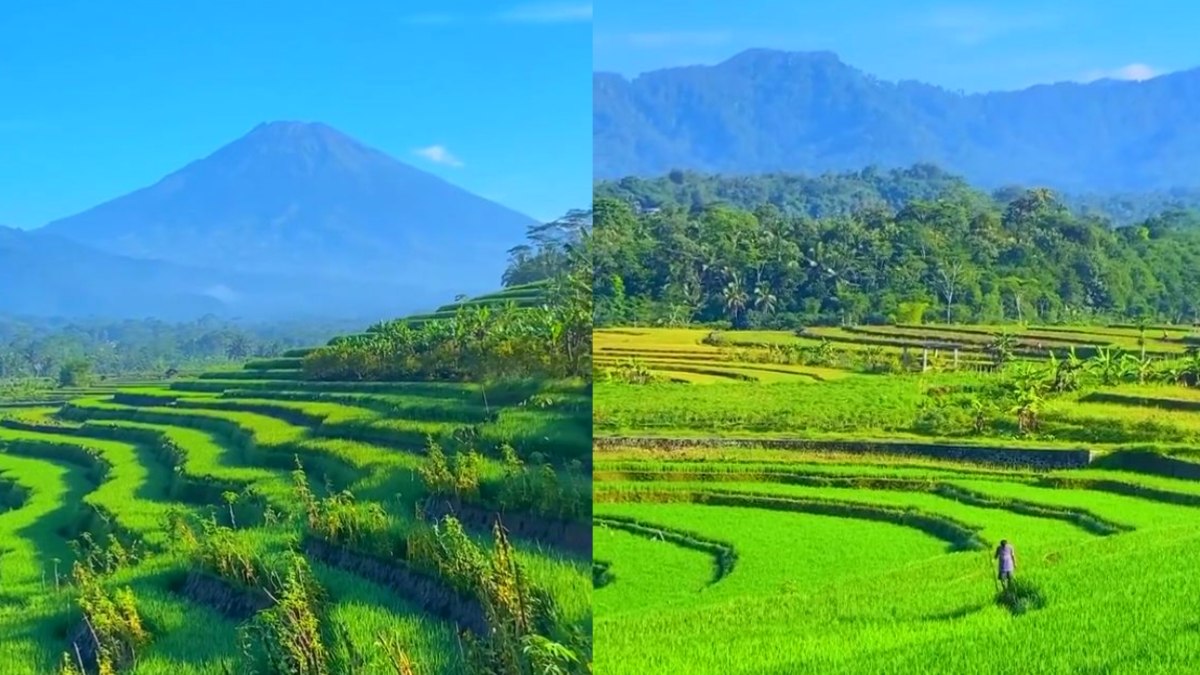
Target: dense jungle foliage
x=963, y=256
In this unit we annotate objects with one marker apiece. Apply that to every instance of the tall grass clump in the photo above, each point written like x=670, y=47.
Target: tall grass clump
x=1020, y=595
x=112, y=631
x=526, y=635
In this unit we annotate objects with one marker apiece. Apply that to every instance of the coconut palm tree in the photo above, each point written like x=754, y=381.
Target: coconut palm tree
x=764, y=300
x=736, y=300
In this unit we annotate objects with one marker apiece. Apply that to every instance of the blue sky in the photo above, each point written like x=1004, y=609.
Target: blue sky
x=98, y=99
x=963, y=46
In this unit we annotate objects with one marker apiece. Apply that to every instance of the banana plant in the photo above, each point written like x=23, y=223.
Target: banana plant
x=1027, y=406
x=1141, y=368
x=1107, y=365
x=1002, y=347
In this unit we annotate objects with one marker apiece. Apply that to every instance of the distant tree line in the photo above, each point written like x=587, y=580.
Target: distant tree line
x=546, y=253
x=487, y=342
x=964, y=256
x=841, y=194
x=77, y=349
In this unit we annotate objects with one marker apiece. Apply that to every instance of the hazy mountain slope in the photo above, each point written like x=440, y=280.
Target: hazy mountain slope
x=770, y=111
x=45, y=275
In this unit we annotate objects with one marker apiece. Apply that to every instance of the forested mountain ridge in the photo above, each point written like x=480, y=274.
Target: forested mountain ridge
x=772, y=111
x=961, y=258
x=844, y=193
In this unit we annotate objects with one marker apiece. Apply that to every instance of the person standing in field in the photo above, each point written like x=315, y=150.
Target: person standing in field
x=1007, y=558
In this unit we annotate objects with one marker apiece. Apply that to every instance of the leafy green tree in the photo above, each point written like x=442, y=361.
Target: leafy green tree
x=76, y=373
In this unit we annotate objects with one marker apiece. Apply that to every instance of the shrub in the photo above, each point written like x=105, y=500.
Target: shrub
x=112, y=626
x=76, y=373
x=1021, y=595
x=291, y=636
x=537, y=487
x=457, y=478
x=342, y=520
x=630, y=371
x=522, y=619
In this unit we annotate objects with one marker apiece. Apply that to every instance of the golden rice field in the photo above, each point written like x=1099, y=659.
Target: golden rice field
x=683, y=355
x=679, y=355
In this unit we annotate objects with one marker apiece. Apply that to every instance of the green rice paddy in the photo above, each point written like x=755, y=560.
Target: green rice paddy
x=776, y=534
x=118, y=460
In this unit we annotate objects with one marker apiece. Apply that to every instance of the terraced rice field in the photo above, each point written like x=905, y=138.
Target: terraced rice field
x=785, y=527
x=971, y=341
x=524, y=295
x=749, y=563
x=679, y=355
x=119, y=461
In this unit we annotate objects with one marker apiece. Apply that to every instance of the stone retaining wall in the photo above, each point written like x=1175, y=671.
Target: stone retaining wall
x=1153, y=463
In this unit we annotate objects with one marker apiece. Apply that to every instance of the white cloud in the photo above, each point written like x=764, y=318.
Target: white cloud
x=560, y=12
x=1135, y=72
x=683, y=38
x=222, y=293
x=438, y=154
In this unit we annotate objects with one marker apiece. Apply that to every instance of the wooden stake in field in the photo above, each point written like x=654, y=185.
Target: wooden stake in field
x=924, y=359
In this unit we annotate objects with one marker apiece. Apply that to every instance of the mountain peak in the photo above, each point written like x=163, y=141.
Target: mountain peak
x=293, y=197
x=759, y=56
x=292, y=129
x=311, y=149
x=298, y=137
x=759, y=63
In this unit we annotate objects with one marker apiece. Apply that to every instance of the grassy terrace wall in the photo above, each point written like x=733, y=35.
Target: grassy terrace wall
x=1044, y=458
